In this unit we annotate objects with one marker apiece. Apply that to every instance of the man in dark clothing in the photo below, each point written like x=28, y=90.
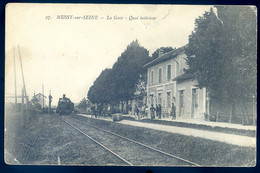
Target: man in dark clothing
x=50, y=100
x=173, y=111
x=99, y=109
x=96, y=111
x=92, y=110
x=130, y=108
x=136, y=110
x=159, y=112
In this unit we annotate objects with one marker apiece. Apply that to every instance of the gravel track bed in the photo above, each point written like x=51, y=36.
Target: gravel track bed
x=201, y=151
x=132, y=152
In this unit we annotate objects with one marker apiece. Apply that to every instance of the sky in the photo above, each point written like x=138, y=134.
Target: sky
x=65, y=56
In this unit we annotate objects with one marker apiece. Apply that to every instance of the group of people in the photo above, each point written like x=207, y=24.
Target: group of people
x=100, y=110
x=157, y=111
x=141, y=112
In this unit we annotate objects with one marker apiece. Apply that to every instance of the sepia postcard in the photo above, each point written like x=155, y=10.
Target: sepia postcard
x=130, y=85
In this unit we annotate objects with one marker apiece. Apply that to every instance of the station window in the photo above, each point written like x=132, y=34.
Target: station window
x=160, y=75
x=159, y=98
x=168, y=99
x=151, y=77
x=177, y=69
x=169, y=72
x=151, y=99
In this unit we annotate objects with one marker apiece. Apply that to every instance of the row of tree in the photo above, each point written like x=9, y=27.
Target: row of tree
x=126, y=78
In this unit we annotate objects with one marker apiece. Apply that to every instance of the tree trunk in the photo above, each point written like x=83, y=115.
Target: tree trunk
x=246, y=113
x=230, y=115
x=122, y=107
x=232, y=110
x=112, y=108
x=241, y=107
x=127, y=106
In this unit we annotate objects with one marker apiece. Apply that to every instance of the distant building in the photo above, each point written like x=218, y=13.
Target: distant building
x=167, y=83
x=41, y=99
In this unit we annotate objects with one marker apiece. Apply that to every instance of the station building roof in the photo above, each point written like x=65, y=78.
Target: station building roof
x=184, y=76
x=40, y=94
x=167, y=56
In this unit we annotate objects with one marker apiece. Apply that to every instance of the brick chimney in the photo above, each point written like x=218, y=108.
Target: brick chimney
x=161, y=52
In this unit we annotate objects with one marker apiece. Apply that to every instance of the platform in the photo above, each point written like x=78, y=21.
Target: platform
x=233, y=139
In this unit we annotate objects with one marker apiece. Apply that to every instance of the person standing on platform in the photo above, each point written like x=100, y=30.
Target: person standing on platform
x=146, y=111
x=159, y=112
x=92, y=110
x=152, y=109
x=137, y=111
x=173, y=111
x=50, y=100
x=96, y=111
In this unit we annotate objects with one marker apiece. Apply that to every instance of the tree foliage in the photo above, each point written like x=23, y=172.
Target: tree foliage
x=102, y=89
x=119, y=83
x=222, y=52
x=83, y=104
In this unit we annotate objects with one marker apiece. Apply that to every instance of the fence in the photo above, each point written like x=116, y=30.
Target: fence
x=242, y=113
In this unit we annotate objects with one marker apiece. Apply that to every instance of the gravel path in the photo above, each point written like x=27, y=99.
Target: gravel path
x=215, y=136
x=239, y=140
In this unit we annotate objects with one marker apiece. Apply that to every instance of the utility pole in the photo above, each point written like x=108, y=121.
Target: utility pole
x=22, y=99
x=22, y=73
x=24, y=88
x=22, y=109
x=15, y=80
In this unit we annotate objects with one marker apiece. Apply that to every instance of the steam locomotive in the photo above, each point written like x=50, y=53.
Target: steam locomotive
x=65, y=106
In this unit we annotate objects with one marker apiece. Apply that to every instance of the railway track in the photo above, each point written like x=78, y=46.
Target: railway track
x=30, y=149
x=130, y=151
x=26, y=149
x=124, y=160
x=73, y=150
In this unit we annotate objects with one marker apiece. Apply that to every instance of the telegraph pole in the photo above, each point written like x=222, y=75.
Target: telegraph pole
x=22, y=108
x=22, y=98
x=24, y=88
x=22, y=73
x=15, y=80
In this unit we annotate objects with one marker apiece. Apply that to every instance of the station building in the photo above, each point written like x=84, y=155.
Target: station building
x=41, y=99
x=167, y=83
